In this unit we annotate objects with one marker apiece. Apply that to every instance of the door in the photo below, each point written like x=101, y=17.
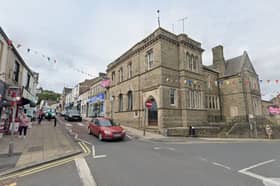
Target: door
x=153, y=114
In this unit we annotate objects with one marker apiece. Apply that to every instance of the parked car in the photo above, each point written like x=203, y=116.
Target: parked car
x=105, y=128
x=71, y=115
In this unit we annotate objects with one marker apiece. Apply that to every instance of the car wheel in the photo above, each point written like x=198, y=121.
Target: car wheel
x=100, y=137
x=89, y=131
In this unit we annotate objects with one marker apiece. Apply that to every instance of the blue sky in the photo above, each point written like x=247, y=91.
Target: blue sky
x=89, y=34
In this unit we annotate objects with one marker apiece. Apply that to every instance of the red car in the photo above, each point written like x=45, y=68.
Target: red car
x=105, y=128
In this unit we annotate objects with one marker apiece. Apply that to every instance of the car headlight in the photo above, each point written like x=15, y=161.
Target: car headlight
x=70, y=115
x=107, y=132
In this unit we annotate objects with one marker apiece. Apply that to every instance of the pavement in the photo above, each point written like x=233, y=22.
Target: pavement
x=44, y=143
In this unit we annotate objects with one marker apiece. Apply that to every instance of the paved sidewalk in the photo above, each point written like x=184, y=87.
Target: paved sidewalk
x=42, y=144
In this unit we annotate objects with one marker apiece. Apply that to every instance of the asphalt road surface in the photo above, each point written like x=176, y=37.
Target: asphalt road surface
x=138, y=162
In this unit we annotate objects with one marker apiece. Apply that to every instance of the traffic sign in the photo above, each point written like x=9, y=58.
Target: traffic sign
x=149, y=104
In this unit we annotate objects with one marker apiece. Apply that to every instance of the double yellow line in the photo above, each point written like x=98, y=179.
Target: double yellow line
x=47, y=166
x=85, y=148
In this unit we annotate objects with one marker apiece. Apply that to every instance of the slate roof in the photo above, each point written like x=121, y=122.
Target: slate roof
x=234, y=65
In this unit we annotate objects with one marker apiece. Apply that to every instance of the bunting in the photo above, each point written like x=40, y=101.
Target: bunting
x=47, y=57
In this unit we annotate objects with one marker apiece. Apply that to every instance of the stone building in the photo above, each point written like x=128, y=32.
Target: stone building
x=167, y=69
x=14, y=71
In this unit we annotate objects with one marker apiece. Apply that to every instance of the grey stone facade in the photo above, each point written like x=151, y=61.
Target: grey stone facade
x=168, y=69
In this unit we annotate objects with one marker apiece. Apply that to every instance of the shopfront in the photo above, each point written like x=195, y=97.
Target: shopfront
x=96, y=105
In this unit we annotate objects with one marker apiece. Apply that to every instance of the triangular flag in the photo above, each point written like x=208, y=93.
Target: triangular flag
x=49, y=58
x=28, y=50
x=54, y=61
x=261, y=80
x=268, y=81
x=18, y=45
x=276, y=81
x=10, y=42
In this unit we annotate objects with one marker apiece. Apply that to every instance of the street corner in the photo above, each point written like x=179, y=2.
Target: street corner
x=8, y=162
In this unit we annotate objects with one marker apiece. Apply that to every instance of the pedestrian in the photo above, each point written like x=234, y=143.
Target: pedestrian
x=54, y=121
x=40, y=116
x=23, y=124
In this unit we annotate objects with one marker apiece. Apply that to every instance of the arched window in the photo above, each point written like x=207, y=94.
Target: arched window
x=120, y=102
x=129, y=101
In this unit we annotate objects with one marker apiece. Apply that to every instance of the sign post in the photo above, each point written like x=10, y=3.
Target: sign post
x=14, y=104
x=148, y=105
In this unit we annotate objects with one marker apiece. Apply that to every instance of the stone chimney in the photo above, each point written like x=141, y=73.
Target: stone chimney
x=218, y=59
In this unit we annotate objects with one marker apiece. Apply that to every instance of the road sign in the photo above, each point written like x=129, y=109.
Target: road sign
x=148, y=104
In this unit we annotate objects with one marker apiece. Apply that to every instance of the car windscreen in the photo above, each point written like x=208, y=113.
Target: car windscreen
x=74, y=112
x=106, y=123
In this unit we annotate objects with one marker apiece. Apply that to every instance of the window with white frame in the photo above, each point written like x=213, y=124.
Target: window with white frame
x=193, y=63
x=172, y=93
x=149, y=59
x=195, y=98
x=212, y=102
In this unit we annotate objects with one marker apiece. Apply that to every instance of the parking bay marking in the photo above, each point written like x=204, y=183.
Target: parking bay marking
x=266, y=181
x=96, y=156
x=221, y=165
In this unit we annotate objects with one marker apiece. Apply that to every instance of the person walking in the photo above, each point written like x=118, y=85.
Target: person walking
x=23, y=124
x=54, y=121
x=40, y=116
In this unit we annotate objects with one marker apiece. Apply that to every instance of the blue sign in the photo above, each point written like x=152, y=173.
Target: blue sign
x=99, y=97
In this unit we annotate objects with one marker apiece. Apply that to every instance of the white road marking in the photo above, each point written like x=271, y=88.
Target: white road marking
x=93, y=151
x=167, y=148
x=203, y=159
x=68, y=124
x=256, y=165
x=221, y=165
x=81, y=124
x=100, y=156
x=84, y=172
x=265, y=180
x=130, y=137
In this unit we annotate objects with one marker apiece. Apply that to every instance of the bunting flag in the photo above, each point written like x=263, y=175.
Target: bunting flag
x=276, y=81
x=18, y=45
x=268, y=81
x=28, y=50
x=10, y=42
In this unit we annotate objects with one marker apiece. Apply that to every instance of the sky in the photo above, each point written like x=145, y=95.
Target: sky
x=90, y=34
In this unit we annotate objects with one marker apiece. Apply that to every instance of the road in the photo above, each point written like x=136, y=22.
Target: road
x=139, y=162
